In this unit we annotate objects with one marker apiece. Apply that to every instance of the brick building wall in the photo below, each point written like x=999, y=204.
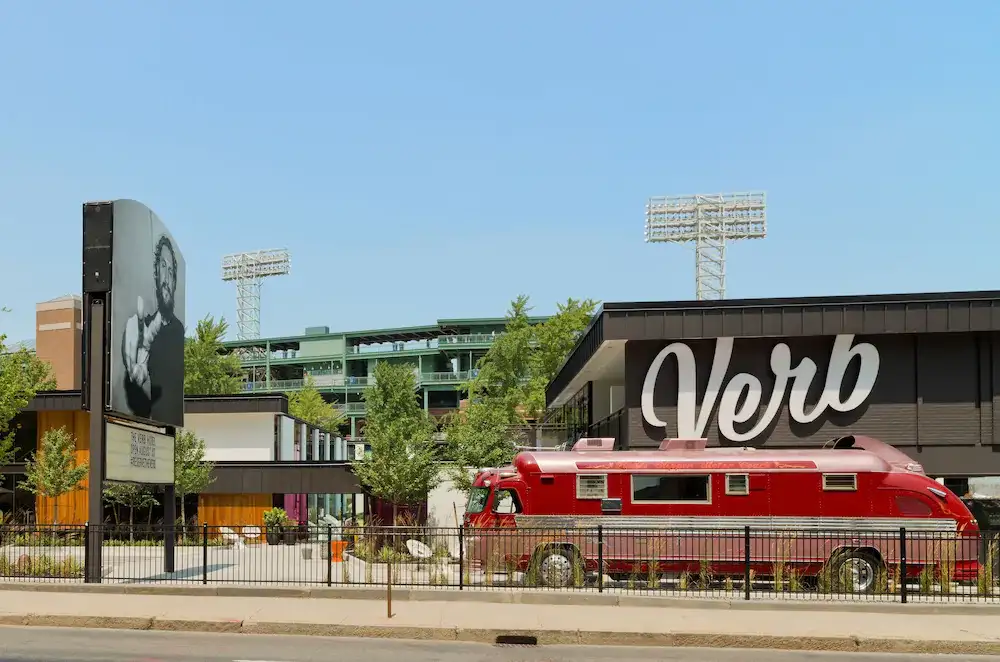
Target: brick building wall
x=58, y=333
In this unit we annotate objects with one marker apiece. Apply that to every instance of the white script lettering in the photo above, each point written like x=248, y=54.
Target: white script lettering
x=743, y=394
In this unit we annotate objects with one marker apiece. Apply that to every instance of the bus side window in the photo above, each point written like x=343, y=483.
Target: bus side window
x=506, y=503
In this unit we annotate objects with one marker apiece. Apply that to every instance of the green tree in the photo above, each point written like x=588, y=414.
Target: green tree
x=502, y=372
x=485, y=434
x=208, y=368
x=554, y=339
x=131, y=496
x=401, y=467
x=22, y=375
x=308, y=404
x=53, y=471
x=508, y=393
x=192, y=474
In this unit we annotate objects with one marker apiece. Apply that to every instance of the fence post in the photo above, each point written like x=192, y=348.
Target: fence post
x=204, y=553
x=388, y=588
x=600, y=558
x=86, y=552
x=329, y=555
x=461, y=558
x=746, y=563
x=902, y=564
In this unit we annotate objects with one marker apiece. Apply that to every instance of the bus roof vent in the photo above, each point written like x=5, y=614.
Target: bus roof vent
x=595, y=444
x=683, y=444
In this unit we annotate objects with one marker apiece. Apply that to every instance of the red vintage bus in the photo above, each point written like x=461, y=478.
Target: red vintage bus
x=837, y=509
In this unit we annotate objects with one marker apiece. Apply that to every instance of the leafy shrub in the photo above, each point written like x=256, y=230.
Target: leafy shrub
x=41, y=566
x=986, y=582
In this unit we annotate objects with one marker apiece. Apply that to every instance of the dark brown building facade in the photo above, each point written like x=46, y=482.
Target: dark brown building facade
x=921, y=372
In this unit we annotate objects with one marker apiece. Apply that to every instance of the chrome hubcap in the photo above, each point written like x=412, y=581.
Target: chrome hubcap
x=556, y=570
x=860, y=574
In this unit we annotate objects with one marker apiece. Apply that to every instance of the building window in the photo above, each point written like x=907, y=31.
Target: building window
x=672, y=488
x=25, y=428
x=16, y=503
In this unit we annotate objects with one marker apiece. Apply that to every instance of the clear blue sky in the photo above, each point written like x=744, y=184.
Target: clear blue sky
x=435, y=159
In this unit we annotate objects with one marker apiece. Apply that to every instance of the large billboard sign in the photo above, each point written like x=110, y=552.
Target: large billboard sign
x=742, y=397
x=147, y=317
x=135, y=455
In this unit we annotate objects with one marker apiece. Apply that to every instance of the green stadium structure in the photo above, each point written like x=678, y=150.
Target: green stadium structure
x=443, y=355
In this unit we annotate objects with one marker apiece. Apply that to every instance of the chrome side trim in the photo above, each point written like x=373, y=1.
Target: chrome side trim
x=865, y=524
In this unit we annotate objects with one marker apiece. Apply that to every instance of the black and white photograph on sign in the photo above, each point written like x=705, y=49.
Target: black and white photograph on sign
x=147, y=317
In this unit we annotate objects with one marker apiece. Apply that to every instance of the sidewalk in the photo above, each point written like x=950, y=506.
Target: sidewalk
x=484, y=622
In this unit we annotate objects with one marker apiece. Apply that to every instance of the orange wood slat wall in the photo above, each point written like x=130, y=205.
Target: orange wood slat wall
x=233, y=510
x=72, y=506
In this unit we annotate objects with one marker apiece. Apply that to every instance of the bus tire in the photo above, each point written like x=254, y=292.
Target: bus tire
x=856, y=570
x=555, y=565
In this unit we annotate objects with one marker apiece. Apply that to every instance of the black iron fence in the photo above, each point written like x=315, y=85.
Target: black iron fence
x=744, y=564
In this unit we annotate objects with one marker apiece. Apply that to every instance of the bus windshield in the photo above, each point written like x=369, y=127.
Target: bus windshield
x=477, y=499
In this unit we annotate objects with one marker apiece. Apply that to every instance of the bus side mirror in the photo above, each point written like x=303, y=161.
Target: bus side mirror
x=611, y=506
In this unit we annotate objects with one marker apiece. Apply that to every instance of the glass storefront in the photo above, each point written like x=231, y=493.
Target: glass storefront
x=569, y=422
x=339, y=506
x=16, y=503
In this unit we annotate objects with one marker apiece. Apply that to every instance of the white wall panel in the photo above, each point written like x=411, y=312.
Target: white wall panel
x=247, y=437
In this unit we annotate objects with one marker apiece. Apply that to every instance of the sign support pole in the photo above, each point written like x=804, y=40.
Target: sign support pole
x=170, y=522
x=93, y=573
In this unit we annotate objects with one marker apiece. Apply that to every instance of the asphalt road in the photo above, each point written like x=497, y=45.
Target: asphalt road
x=68, y=645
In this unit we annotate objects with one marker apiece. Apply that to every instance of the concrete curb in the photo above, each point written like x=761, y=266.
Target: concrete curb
x=509, y=597
x=490, y=636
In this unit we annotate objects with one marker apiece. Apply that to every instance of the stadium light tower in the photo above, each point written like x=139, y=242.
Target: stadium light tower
x=709, y=221
x=249, y=270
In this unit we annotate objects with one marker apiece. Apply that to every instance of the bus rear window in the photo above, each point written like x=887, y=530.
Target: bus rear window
x=477, y=499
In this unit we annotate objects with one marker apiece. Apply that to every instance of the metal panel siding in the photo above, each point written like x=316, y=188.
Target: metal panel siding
x=937, y=317
x=712, y=323
x=915, y=319
x=853, y=321
x=253, y=480
x=771, y=322
x=653, y=326
x=806, y=319
x=980, y=317
x=812, y=321
x=948, y=312
x=277, y=404
x=995, y=379
x=733, y=322
x=283, y=479
x=933, y=390
x=791, y=321
x=948, y=379
x=984, y=374
x=691, y=326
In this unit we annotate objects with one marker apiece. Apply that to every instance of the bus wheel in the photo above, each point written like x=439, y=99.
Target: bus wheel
x=856, y=571
x=555, y=566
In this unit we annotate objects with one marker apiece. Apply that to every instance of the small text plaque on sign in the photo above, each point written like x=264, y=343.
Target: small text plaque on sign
x=137, y=455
